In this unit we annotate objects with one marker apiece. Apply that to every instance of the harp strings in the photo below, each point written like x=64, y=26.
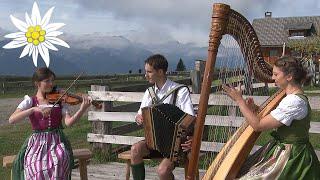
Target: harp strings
x=235, y=70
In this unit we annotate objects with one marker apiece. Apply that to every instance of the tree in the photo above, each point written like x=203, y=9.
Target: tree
x=180, y=66
x=308, y=49
x=130, y=71
x=140, y=71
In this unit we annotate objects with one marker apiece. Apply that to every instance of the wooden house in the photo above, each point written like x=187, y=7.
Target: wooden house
x=274, y=32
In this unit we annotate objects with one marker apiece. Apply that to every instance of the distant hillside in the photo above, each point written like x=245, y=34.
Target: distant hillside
x=100, y=54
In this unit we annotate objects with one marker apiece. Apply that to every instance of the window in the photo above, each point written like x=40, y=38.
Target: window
x=273, y=52
x=297, y=33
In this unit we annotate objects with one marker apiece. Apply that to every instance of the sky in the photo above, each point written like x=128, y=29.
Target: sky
x=148, y=21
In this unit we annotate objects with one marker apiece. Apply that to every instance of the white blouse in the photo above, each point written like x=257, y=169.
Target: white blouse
x=292, y=107
x=27, y=104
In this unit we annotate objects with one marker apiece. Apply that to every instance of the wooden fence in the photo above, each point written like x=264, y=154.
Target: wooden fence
x=128, y=80
x=119, y=135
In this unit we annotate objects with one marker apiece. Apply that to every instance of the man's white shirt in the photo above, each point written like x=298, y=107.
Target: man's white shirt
x=183, y=100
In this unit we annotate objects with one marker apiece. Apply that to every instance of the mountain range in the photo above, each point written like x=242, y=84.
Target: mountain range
x=100, y=54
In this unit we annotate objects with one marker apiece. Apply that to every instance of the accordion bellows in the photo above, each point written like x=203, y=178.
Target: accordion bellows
x=166, y=128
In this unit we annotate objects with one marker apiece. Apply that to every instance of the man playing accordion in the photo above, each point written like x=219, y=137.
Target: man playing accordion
x=155, y=72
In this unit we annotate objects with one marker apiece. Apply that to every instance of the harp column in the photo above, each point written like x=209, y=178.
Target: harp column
x=218, y=27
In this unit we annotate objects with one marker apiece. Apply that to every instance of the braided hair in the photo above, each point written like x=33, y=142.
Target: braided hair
x=294, y=66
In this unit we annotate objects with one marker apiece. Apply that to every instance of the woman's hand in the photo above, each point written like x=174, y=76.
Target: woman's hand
x=233, y=93
x=45, y=111
x=250, y=103
x=139, y=119
x=86, y=102
x=186, y=146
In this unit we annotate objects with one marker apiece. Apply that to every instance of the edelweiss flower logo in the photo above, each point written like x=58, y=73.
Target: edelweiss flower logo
x=37, y=35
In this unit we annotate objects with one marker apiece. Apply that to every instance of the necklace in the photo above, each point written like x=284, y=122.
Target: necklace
x=296, y=91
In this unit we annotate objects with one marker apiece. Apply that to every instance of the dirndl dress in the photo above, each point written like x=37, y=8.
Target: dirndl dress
x=46, y=153
x=289, y=155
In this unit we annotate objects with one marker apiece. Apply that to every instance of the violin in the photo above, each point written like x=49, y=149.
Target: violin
x=56, y=96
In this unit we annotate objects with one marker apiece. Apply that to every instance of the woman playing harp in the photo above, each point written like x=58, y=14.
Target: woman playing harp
x=227, y=163
x=289, y=155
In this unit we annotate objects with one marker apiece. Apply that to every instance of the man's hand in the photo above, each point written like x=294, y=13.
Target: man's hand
x=139, y=119
x=187, y=145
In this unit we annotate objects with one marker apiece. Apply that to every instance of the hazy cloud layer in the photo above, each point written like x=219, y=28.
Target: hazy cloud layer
x=153, y=21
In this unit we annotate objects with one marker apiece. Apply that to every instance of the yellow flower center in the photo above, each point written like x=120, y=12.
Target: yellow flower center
x=35, y=35
x=36, y=42
x=42, y=38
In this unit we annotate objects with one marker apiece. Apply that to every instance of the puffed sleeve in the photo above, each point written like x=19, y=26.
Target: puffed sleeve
x=65, y=109
x=292, y=107
x=26, y=103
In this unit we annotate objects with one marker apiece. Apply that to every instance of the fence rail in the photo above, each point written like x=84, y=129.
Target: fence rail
x=14, y=86
x=214, y=99
x=116, y=136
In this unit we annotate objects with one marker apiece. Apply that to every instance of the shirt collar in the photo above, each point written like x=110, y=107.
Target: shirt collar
x=164, y=87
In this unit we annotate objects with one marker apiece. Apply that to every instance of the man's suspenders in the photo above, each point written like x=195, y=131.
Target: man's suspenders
x=155, y=98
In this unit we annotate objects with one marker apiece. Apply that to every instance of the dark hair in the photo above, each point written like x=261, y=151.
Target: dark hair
x=41, y=74
x=293, y=66
x=157, y=61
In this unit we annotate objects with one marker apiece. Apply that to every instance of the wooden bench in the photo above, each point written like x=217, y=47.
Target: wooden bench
x=81, y=155
x=126, y=156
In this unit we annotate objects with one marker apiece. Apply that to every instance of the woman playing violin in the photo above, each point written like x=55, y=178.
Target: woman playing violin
x=46, y=154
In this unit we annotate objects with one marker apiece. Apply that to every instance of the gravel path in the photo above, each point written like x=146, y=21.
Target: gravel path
x=7, y=107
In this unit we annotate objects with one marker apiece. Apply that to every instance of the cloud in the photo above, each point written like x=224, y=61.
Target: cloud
x=164, y=12
x=185, y=21
x=195, y=13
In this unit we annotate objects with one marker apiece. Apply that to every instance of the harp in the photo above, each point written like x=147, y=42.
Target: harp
x=227, y=163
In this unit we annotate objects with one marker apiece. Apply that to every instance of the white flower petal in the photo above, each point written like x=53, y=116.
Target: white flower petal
x=21, y=39
x=28, y=20
x=15, y=35
x=22, y=26
x=35, y=56
x=31, y=49
x=54, y=33
x=53, y=27
x=48, y=45
x=44, y=54
x=46, y=17
x=25, y=50
x=15, y=44
x=35, y=16
x=57, y=41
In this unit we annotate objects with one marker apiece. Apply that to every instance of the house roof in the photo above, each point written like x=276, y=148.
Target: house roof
x=274, y=31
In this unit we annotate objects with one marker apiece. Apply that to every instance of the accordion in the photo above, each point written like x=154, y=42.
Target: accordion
x=166, y=127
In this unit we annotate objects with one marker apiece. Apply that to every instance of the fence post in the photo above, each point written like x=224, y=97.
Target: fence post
x=3, y=91
x=195, y=81
x=102, y=127
x=196, y=76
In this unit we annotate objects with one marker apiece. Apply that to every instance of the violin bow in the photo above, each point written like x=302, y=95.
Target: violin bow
x=74, y=81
